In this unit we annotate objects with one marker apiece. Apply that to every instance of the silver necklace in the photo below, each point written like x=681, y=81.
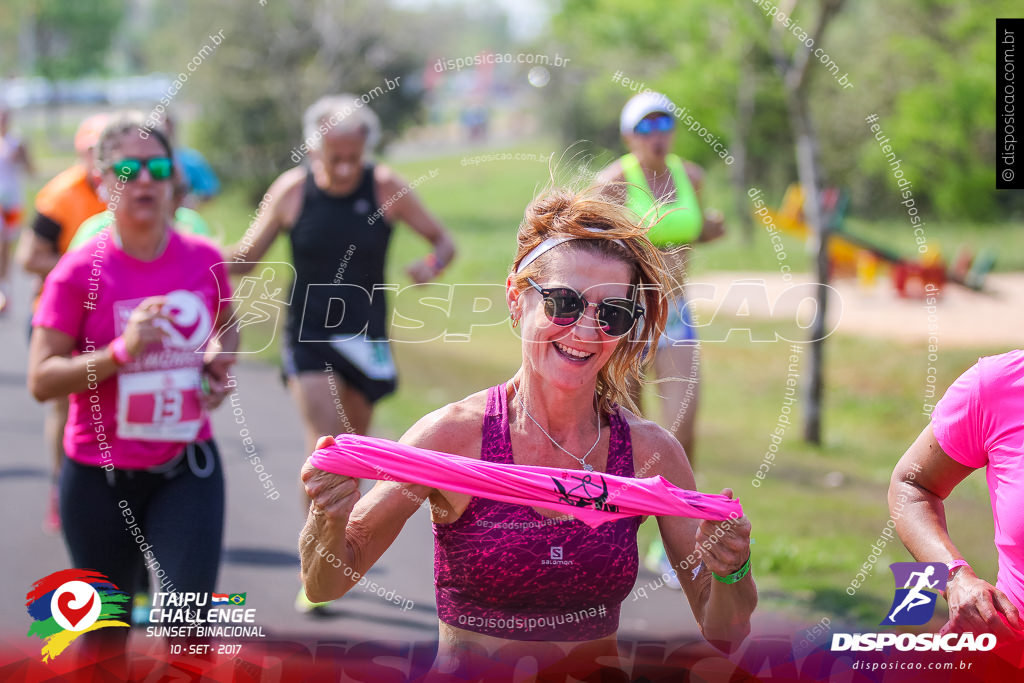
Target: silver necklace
x=582, y=461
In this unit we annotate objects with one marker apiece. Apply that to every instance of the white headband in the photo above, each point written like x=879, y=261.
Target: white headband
x=552, y=242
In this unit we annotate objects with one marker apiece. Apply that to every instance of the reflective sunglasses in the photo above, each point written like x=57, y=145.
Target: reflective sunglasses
x=160, y=168
x=564, y=306
x=659, y=124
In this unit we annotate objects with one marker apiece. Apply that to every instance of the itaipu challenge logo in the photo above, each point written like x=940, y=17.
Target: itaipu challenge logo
x=68, y=603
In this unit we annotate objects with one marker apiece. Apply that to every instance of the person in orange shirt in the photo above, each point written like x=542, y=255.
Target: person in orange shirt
x=61, y=206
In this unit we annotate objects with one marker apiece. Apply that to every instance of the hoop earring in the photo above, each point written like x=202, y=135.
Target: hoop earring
x=515, y=321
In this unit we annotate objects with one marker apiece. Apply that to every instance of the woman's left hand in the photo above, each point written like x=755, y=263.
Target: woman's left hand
x=724, y=546
x=215, y=371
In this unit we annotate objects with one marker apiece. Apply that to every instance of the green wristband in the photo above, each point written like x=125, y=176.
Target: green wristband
x=736, y=575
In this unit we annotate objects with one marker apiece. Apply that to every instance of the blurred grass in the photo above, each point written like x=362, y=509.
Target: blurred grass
x=810, y=537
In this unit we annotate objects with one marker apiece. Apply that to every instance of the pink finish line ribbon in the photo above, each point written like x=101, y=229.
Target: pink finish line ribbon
x=591, y=497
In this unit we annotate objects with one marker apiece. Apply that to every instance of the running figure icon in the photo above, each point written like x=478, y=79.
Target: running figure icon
x=259, y=301
x=916, y=596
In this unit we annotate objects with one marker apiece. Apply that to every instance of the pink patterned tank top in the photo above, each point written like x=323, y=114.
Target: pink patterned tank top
x=505, y=570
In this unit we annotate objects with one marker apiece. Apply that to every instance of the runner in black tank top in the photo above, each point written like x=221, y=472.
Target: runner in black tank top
x=339, y=211
x=339, y=257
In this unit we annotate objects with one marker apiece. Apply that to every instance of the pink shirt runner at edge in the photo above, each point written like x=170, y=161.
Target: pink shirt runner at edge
x=979, y=422
x=591, y=497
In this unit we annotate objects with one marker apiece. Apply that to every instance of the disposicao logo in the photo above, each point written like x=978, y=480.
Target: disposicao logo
x=68, y=603
x=913, y=604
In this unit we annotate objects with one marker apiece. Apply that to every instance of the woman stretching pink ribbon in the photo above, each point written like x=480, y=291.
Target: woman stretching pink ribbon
x=532, y=482
x=592, y=498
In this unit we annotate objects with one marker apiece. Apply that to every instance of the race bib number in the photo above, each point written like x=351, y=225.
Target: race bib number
x=372, y=358
x=159, y=405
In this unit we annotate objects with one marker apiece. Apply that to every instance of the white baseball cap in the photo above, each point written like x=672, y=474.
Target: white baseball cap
x=640, y=106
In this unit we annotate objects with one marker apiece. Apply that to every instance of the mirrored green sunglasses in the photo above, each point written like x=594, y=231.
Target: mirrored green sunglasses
x=160, y=168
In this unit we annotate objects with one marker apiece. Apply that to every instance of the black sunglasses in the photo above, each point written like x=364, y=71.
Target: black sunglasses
x=564, y=306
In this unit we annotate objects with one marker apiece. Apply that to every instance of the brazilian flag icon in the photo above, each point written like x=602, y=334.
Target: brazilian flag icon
x=237, y=598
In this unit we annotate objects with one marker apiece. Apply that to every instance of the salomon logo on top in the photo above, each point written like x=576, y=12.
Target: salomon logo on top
x=917, y=587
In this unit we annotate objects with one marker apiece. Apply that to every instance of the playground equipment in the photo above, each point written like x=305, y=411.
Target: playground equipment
x=851, y=254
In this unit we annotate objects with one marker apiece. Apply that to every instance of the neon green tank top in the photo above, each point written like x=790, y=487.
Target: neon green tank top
x=680, y=221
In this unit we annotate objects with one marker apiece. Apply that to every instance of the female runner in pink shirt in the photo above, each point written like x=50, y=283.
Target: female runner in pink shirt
x=508, y=575
x=133, y=326
x=979, y=422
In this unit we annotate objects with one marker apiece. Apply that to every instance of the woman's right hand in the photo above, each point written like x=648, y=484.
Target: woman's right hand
x=979, y=607
x=143, y=328
x=331, y=495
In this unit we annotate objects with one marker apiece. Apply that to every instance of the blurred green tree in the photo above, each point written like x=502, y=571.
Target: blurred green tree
x=71, y=39
x=924, y=66
x=279, y=57
x=935, y=90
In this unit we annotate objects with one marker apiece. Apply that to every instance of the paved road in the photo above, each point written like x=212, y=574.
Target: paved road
x=260, y=555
